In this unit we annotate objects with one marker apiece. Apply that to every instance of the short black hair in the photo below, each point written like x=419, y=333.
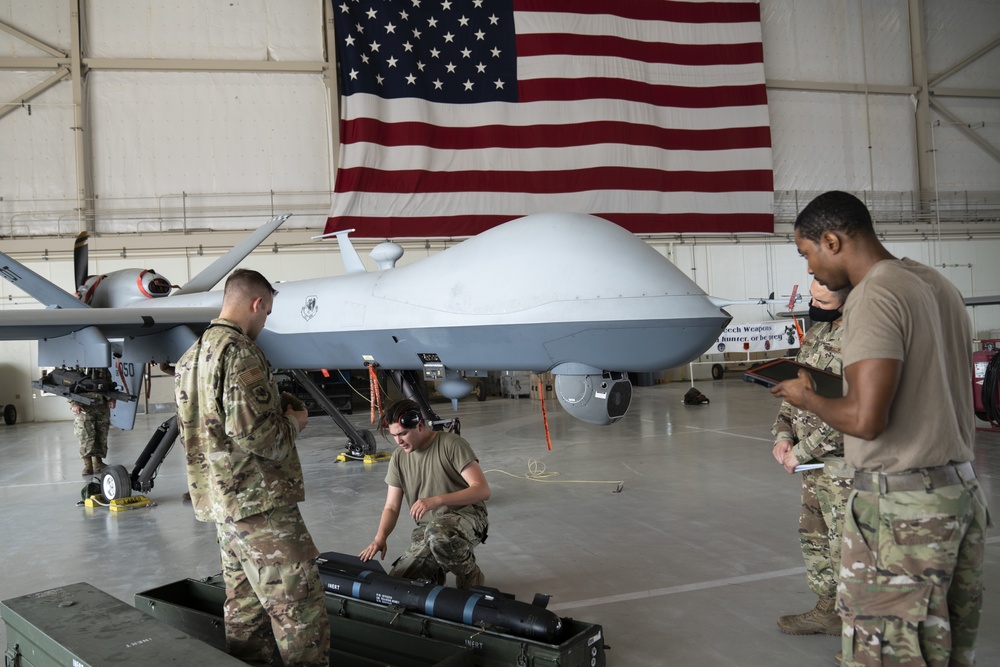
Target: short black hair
x=834, y=211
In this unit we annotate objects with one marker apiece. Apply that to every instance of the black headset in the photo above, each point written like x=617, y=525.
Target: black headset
x=409, y=419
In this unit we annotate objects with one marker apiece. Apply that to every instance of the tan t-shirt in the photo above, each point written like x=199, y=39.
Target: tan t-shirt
x=907, y=311
x=434, y=471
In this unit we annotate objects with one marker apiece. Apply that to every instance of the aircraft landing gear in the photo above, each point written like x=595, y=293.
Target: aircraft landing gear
x=360, y=443
x=115, y=483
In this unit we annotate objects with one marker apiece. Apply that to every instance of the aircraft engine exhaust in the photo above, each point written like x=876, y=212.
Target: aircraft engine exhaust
x=596, y=399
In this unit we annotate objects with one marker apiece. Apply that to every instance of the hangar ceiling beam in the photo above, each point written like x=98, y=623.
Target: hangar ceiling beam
x=926, y=175
x=969, y=59
x=86, y=213
x=966, y=129
x=59, y=61
x=37, y=43
x=202, y=65
x=332, y=87
x=25, y=97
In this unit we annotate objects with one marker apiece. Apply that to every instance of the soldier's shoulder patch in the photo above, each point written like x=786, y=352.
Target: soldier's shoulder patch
x=252, y=375
x=261, y=394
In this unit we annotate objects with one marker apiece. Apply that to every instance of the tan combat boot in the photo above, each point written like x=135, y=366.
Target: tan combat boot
x=470, y=580
x=88, y=467
x=98, y=464
x=820, y=619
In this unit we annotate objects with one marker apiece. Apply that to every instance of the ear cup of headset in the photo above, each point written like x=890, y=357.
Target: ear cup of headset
x=409, y=419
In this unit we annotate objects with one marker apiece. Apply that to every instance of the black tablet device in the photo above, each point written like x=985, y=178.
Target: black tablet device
x=771, y=373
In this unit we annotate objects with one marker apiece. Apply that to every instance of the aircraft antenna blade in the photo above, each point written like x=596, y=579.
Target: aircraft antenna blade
x=218, y=269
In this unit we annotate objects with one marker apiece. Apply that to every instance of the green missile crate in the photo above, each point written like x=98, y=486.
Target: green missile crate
x=195, y=606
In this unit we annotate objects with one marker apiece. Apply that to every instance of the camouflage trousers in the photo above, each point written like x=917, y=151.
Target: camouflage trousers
x=443, y=545
x=274, y=596
x=821, y=521
x=91, y=428
x=911, y=580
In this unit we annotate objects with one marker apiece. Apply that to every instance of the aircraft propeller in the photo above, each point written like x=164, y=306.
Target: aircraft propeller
x=80, y=260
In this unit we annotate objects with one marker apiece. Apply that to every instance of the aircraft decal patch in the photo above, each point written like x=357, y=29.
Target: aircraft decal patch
x=310, y=309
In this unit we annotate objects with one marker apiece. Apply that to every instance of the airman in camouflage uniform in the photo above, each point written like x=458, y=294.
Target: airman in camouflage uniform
x=92, y=424
x=245, y=476
x=910, y=589
x=802, y=437
x=439, y=475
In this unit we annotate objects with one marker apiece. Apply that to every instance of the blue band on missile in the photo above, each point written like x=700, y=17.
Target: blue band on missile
x=470, y=604
x=431, y=597
x=356, y=586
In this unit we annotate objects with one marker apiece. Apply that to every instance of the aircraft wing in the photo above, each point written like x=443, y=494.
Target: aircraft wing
x=211, y=276
x=42, y=289
x=982, y=300
x=113, y=322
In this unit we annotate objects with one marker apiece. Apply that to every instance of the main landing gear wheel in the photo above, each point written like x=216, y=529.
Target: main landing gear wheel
x=718, y=371
x=115, y=483
x=370, y=446
x=9, y=414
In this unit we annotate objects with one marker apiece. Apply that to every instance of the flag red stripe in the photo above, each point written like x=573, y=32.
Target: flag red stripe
x=363, y=179
x=618, y=47
x=470, y=225
x=644, y=10
x=551, y=136
x=541, y=90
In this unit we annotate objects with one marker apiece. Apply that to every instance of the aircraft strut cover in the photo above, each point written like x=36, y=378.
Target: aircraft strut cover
x=350, y=577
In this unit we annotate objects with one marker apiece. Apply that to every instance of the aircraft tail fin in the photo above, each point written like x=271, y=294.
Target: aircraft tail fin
x=45, y=291
x=352, y=261
x=211, y=276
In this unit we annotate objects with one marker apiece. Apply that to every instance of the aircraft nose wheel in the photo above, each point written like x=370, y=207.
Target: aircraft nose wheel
x=115, y=483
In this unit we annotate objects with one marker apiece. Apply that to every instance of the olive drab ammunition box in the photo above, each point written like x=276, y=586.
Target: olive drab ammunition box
x=83, y=626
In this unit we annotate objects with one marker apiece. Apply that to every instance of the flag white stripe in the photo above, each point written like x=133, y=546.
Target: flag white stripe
x=694, y=76
x=653, y=32
x=415, y=110
x=553, y=159
x=494, y=203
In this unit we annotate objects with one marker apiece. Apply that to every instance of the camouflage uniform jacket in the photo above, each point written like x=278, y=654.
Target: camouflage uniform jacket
x=811, y=437
x=241, y=456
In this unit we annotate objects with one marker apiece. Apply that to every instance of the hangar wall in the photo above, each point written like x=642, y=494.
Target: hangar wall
x=204, y=118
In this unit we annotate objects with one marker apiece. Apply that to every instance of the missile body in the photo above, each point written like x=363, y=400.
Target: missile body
x=481, y=607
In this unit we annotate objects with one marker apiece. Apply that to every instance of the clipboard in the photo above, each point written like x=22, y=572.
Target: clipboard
x=771, y=373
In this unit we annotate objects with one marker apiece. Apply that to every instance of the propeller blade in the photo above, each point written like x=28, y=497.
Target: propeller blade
x=80, y=269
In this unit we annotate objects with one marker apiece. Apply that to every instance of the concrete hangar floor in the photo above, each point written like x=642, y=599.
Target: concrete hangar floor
x=690, y=564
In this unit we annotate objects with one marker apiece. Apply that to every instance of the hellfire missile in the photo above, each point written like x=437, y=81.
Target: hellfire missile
x=481, y=607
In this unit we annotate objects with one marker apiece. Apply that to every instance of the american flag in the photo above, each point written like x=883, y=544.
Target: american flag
x=458, y=115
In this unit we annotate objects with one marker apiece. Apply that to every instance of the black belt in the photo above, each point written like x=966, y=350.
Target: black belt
x=923, y=479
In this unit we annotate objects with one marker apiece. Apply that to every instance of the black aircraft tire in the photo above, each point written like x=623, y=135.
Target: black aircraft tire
x=9, y=414
x=718, y=371
x=115, y=483
x=481, y=391
x=369, y=437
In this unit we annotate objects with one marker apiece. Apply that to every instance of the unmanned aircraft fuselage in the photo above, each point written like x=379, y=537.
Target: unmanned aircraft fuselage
x=591, y=299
